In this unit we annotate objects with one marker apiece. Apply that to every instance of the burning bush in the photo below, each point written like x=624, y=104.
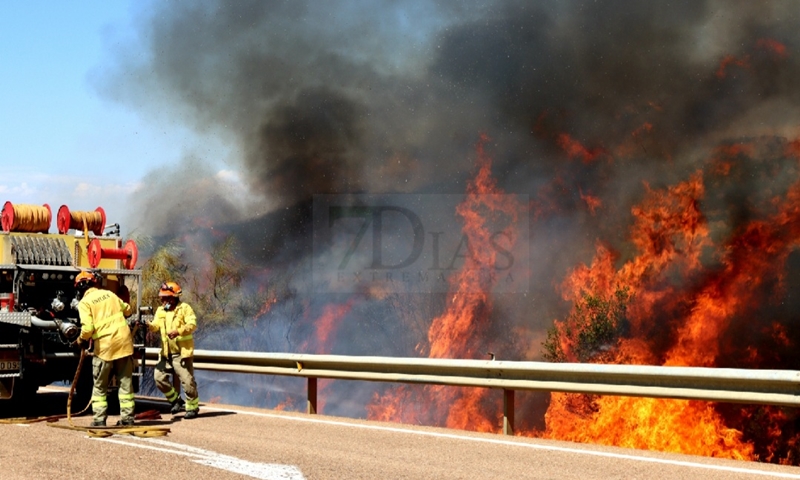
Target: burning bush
x=592, y=331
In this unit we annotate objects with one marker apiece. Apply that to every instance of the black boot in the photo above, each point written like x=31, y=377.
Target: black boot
x=191, y=414
x=178, y=406
x=98, y=423
x=127, y=422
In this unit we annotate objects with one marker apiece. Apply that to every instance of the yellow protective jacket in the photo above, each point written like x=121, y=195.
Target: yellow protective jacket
x=182, y=320
x=102, y=315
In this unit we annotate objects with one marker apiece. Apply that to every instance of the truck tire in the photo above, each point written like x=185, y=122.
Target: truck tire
x=22, y=401
x=24, y=391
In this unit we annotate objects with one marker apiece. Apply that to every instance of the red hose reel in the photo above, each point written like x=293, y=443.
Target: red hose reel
x=25, y=218
x=129, y=254
x=94, y=221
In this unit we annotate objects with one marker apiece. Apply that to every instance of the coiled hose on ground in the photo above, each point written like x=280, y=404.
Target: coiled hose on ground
x=52, y=420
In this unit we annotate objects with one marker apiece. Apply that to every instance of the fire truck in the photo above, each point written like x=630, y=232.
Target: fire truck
x=39, y=321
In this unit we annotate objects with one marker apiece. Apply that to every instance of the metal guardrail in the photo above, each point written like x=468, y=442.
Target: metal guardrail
x=768, y=387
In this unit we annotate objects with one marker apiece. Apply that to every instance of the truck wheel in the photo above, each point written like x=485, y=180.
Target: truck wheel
x=24, y=391
x=22, y=397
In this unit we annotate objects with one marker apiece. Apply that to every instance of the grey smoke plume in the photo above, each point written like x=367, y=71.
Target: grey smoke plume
x=389, y=96
x=581, y=99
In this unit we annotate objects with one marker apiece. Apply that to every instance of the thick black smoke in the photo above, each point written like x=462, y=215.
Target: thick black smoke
x=390, y=96
x=581, y=99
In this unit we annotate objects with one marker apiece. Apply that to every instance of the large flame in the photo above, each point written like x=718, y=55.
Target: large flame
x=696, y=268
x=670, y=234
x=460, y=332
x=679, y=314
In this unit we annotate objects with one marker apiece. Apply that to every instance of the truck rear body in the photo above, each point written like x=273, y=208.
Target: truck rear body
x=39, y=322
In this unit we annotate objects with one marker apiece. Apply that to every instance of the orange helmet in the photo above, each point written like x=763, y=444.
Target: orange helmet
x=170, y=289
x=86, y=278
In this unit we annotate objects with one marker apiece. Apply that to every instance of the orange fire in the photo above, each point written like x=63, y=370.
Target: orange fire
x=646, y=127
x=268, y=303
x=680, y=312
x=575, y=149
x=679, y=426
x=772, y=45
x=728, y=61
x=793, y=149
x=725, y=157
x=460, y=331
x=320, y=342
x=326, y=326
x=670, y=235
x=592, y=202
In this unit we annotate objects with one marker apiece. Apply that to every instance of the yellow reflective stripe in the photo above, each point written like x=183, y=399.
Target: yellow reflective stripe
x=109, y=319
x=193, y=404
x=127, y=396
x=171, y=395
x=87, y=328
x=126, y=404
x=99, y=401
x=184, y=337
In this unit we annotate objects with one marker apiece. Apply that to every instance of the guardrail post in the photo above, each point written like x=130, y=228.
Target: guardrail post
x=312, y=396
x=508, y=412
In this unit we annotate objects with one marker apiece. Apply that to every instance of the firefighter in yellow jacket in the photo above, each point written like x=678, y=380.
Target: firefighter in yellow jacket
x=102, y=315
x=176, y=321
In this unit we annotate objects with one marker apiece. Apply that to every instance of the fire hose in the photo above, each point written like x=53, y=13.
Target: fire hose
x=98, y=432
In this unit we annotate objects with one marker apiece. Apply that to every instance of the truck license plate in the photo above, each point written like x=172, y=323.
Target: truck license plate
x=7, y=365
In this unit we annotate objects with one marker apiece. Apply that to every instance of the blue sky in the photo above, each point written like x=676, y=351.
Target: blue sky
x=62, y=142
x=67, y=138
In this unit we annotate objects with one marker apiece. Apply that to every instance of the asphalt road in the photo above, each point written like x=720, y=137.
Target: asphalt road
x=228, y=442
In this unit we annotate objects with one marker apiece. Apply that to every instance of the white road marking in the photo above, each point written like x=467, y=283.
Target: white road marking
x=750, y=471
x=263, y=471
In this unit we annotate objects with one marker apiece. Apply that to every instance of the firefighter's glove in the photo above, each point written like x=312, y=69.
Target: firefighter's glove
x=84, y=344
